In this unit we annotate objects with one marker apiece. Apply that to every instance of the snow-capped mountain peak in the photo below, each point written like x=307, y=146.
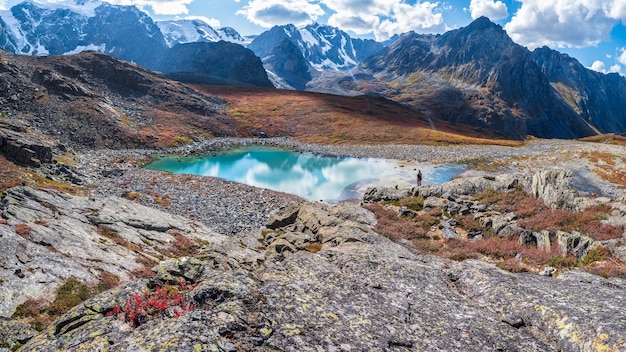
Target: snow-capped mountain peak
x=70, y=26
x=324, y=47
x=195, y=30
x=84, y=7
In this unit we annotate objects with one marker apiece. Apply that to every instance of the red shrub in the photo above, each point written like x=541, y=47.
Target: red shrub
x=148, y=305
x=608, y=269
x=393, y=227
x=22, y=229
x=588, y=222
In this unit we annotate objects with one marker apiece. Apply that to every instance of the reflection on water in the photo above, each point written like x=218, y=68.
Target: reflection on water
x=310, y=176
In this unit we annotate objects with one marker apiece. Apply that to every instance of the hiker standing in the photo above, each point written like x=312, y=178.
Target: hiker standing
x=419, y=177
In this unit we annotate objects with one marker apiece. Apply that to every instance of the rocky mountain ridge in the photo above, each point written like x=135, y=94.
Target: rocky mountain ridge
x=92, y=100
x=129, y=34
x=317, y=47
x=192, y=31
x=472, y=75
x=478, y=75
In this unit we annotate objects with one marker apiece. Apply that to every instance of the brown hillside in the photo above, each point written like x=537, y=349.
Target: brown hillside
x=91, y=100
x=324, y=118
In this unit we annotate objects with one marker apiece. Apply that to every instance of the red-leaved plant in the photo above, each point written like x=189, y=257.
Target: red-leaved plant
x=150, y=304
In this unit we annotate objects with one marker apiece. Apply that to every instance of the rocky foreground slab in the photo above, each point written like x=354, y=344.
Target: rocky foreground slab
x=319, y=278
x=310, y=276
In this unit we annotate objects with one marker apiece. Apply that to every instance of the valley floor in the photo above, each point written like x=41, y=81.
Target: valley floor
x=231, y=207
x=268, y=271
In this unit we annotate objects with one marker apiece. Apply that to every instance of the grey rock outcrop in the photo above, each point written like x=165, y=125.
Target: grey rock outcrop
x=547, y=305
x=14, y=333
x=553, y=186
x=341, y=286
x=28, y=149
x=50, y=236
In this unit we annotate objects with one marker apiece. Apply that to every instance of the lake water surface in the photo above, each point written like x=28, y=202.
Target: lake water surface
x=313, y=177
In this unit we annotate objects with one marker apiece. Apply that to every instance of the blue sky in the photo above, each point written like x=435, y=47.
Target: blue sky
x=590, y=30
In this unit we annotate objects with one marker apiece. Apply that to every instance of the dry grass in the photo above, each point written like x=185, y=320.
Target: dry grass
x=610, y=167
x=606, y=138
x=12, y=175
x=182, y=246
x=396, y=228
x=22, y=230
x=606, y=269
x=330, y=119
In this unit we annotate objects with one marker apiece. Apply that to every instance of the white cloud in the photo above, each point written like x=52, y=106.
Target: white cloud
x=616, y=69
x=598, y=66
x=622, y=58
x=3, y=5
x=565, y=23
x=268, y=13
x=495, y=10
x=362, y=24
x=385, y=18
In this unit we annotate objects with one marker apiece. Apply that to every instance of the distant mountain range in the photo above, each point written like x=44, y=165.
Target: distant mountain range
x=285, y=51
x=127, y=33
x=478, y=75
x=473, y=75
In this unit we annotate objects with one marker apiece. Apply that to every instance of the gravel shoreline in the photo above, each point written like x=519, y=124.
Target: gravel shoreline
x=230, y=208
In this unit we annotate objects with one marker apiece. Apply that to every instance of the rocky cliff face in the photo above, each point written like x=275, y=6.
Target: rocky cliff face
x=218, y=63
x=288, y=66
x=320, y=48
x=596, y=97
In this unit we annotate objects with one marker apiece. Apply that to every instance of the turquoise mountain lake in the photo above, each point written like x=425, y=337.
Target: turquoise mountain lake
x=313, y=177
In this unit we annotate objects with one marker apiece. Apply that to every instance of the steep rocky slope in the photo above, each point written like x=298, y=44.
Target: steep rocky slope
x=220, y=63
x=597, y=97
x=93, y=100
x=478, y=75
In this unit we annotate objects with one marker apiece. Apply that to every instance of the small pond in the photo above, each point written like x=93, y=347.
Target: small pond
x=313, y=177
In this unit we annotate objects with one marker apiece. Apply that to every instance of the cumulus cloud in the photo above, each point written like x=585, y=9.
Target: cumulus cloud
x=598, y=66
x=565, y=23
x=362, y=24
x=616, y=69
x=268, y=13
x=622, y=58
x=385, y=18
x=3, y=5
x=495, y=10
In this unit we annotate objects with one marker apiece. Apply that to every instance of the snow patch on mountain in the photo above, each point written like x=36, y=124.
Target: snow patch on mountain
x=86, y=8
x=191, y=31
x=81, y=48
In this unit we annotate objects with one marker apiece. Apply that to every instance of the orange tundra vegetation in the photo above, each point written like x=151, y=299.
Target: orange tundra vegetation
x=329, y=119
x=507, y=252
